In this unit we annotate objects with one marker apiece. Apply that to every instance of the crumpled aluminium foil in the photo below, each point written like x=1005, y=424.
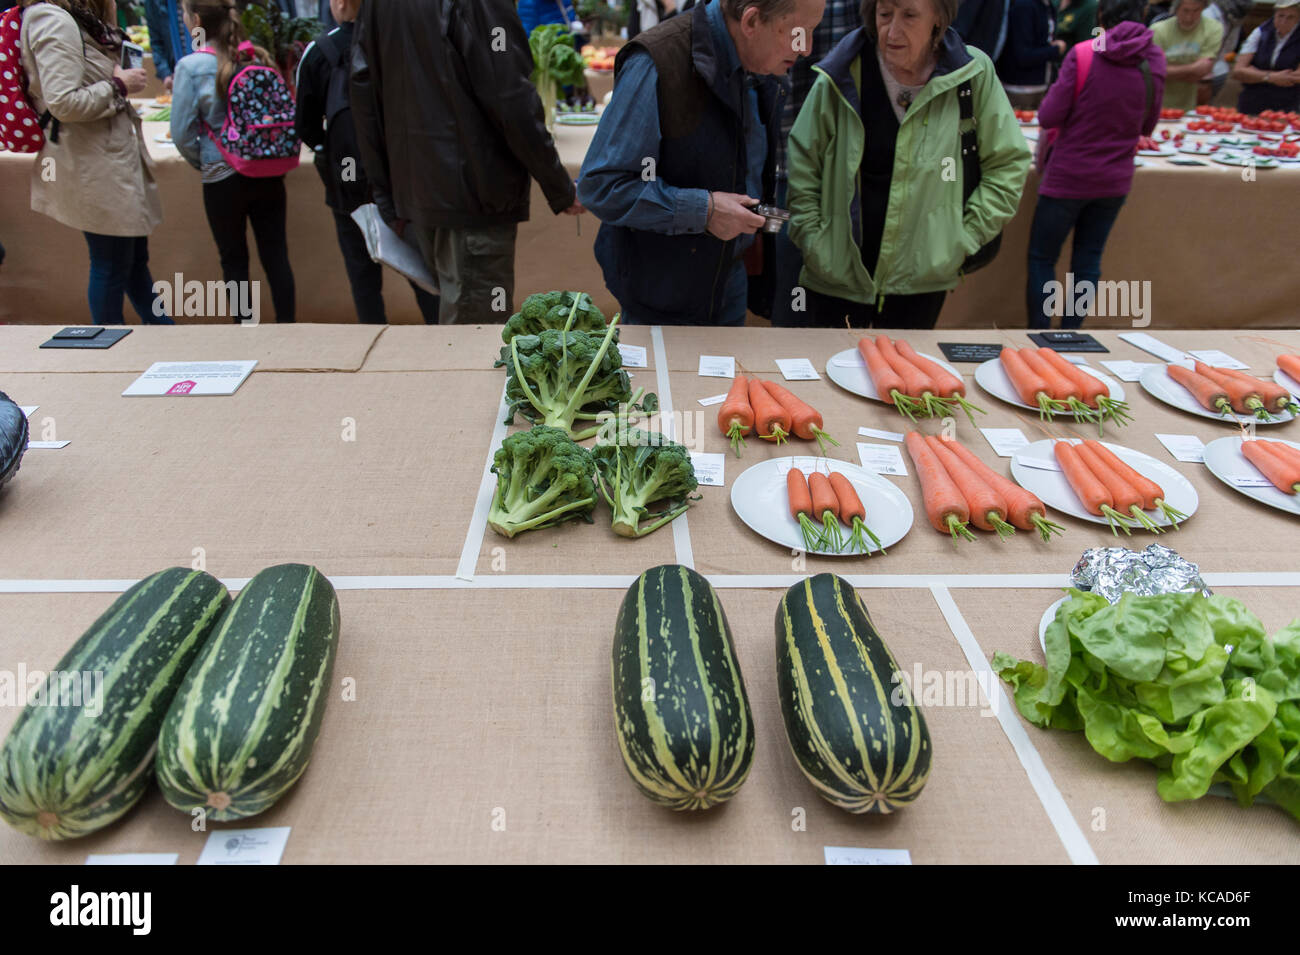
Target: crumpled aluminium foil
x=1113, y=571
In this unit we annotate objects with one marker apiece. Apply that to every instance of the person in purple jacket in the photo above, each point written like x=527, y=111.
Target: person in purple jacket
x=1090, y=169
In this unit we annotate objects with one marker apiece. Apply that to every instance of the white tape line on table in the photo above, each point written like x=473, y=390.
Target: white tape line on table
x=486, y=488
x=681, y=529
x=1067, y=827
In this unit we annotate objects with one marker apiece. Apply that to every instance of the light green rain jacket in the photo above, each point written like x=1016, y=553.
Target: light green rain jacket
x=927, y=234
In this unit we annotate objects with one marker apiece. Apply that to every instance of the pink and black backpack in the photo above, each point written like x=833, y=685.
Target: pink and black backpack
x=258, y=138
x=21, y=130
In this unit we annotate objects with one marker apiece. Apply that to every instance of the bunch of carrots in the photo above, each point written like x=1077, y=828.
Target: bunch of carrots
x=1110, y=488
x=1225, y=390
x=773, y=411
x=912, y=383
x=960, y=489
x=1045, y=380
x=831, y=500
x=1278, y=462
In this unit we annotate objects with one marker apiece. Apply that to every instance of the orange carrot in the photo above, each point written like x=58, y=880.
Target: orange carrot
x=853, y=513
x=1282, y=450
x=916, y=382
x=1094, y=392
x=946, y=384
x=805, y=420
x=1290, y=364
x=988, y=511
x=1127, y=498
x=1208, y=393
x=771, y=421
x=826, y=504
x=1245, y=398
x=1024, y=509
x=889, y=384
x=1061, y=387
x=1153, y=495
x=1276, y=398
x=1094, y=496
x=1284, y=474
x=1031, y=388
x=801, y=508
x=944, y=504
x=736, y=417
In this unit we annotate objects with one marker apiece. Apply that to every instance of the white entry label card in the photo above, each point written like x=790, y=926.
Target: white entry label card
x=1042, y=464
x=850, y=855
x=713, y=400
x=882, y=458
x=1005, y=441
x=1217, y=359
x=877, y=433
x=709, y=468
x=1154, y=345
x=172, y=378
x=245, y=846
x=797, y=369
x=46, y=445
x=1127, y=370
x=633, y=356
x=1184, y=447
x=134, y=858
x=717, y=366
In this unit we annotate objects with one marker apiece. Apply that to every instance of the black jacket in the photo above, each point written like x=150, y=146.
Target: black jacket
x=448, y=123
x=978, y=23
x=326, y=125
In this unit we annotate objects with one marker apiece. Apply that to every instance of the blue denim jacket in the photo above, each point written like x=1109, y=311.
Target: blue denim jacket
x=194, y=102
x=611, y=185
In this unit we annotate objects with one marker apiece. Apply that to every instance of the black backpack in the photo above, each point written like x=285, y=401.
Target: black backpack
x=340, y=134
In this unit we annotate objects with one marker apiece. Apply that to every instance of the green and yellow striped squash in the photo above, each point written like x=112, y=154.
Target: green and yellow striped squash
x=67, y=770
x=680, y=710
x=852, y=723
x=241, y=729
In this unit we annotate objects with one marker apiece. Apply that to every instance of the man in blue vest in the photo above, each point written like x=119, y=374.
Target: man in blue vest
x=1268, y=63
x=685, y=149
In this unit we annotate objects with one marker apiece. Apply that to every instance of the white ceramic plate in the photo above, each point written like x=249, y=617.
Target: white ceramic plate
x=992, y=377
x=848, y=370
x=1048, y=616
x=1259, y=162
x=1226, y=462
x=1156, y=382
x=1157, y=152
x=1287, y=382
x=759, y=498
x=164, y=139
x=1055, y=491
x=1197, y=149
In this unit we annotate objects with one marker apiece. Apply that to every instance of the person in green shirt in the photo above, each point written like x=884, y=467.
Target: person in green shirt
x=1076, y=21
x=1191, y=43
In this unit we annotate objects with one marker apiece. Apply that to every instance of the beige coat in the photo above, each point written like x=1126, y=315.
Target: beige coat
x=101, y=178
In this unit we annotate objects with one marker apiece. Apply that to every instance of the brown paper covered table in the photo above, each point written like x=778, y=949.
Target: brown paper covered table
x=1207, y=241
x=481, y=665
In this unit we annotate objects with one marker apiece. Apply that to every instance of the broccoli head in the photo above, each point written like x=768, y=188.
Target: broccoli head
x=543, y=478
x=640, y=469
x=545, y=310
x=557, y=377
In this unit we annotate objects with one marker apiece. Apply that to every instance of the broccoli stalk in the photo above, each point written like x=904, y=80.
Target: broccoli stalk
x=543, y=478
x=641, y=469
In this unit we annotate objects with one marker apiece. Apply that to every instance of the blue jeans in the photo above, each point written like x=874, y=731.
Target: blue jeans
x=120, y=264
x=1091, y=220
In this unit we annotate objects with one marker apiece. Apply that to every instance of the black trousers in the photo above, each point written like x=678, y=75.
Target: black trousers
x=900, y=311
x=231, y=205
x=366, y=276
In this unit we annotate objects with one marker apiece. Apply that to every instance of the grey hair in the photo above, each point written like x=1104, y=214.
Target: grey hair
x=945, y=10
x=768, y=10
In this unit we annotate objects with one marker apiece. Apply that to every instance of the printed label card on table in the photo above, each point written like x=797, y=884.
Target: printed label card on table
x=1127, y=370
x=849, y=855
x=1251, y=480
x=709, y=467
x=1154, y=346
x=185, y=378
x=134, y=858
x=1042, y=464
x=877, y=433
x=1217, y=359
x=46, y=445
x=713, y=400
x=882, y=459
x=1184, y=447
x=28, y=410
x=717, y=366
x=1005, y=441
x=634, y=356
x=245, y=846
x=797, y=369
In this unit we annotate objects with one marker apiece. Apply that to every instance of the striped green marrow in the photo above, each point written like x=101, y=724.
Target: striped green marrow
x=851, y=721
x=680, y=710
x=241, y=729
x=84, y=755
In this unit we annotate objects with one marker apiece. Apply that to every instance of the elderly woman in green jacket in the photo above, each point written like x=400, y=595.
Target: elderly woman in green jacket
x=876, y=171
